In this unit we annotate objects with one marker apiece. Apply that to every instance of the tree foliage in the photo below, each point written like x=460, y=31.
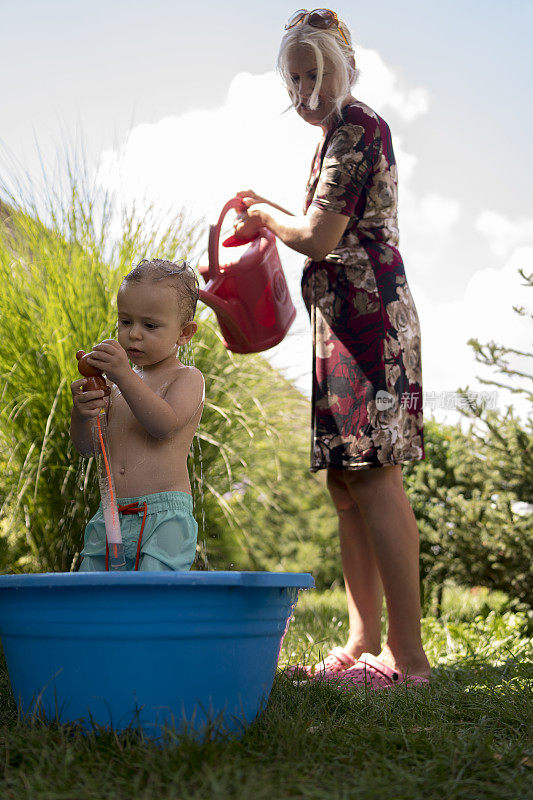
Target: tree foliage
x=473, y=495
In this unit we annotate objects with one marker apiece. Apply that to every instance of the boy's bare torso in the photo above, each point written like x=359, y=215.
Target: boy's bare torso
x=141, y=463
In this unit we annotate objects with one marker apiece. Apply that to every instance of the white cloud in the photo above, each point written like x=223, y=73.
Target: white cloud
x=504, y=234
x=484, y=312
x=379, y=85
x=200, y=158
x=433, y=215
x=426, y=225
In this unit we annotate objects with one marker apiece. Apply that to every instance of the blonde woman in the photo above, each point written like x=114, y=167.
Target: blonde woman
x=367, y=383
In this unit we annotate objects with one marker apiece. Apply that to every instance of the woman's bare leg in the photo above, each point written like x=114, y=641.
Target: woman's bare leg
x=364, y=591
x=391, y=527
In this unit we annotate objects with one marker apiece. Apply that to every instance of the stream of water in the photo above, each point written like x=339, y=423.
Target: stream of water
x=107, y=493
x=186, y=356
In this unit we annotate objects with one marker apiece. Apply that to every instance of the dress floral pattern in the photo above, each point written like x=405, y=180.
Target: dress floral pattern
x=367, y=376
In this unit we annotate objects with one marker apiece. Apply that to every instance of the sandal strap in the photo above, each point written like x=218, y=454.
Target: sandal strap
x=342, y=657
x=392, y=675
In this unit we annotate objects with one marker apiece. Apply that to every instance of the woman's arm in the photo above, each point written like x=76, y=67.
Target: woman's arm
x=314, y=234
x=249, y=197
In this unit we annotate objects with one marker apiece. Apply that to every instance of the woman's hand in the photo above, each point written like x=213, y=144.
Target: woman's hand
x=315, y=234
x=250, y=198
x=246, y=226
x=87, y=404
x=110, y=357
x=248, y=223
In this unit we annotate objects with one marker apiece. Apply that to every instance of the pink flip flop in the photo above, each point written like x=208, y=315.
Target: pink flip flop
x=369, y=671
x=336, y=661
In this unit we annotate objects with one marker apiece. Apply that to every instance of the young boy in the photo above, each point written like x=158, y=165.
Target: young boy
x=153, y=412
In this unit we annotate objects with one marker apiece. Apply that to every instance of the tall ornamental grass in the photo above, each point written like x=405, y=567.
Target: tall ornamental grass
x=59, y=280
x=61, y=263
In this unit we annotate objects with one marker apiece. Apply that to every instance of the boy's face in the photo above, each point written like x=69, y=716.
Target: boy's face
x=150, y=325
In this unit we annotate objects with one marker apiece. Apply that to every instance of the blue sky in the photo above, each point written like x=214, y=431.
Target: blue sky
x=109, y=63
x=118, y=69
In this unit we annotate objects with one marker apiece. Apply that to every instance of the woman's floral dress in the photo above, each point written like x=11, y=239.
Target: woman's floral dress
x=367, y=377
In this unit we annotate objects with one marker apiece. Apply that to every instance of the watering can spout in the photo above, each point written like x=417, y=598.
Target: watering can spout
x=250, y=296
x=225, y=313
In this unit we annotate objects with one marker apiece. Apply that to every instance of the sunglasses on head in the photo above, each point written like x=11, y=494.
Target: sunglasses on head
x=322, y=18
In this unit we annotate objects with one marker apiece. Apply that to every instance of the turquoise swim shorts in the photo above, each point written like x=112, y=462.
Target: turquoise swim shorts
x=169, y=536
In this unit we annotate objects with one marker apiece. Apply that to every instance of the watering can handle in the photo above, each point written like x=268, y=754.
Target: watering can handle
x=214, y=236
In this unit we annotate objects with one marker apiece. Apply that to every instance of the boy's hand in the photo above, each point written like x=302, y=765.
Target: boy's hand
x=87, y=404
x=111, y=358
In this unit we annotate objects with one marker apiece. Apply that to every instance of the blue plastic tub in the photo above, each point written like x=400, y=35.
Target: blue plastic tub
x=153, y=649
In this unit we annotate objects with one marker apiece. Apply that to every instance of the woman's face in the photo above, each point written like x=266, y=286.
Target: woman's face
x=301, y=63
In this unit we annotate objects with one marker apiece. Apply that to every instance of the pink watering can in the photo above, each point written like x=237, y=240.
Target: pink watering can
x=250, y=296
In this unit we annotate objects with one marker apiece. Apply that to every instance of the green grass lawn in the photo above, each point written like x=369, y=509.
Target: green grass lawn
x=465, y=737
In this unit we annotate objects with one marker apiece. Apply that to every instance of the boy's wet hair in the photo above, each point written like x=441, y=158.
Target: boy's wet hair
x=181, y=275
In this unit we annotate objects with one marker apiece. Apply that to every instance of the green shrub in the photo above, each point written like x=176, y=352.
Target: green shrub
x=59, y=284
x=472, y=498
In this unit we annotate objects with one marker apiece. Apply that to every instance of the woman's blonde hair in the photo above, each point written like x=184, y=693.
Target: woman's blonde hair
x=325, y=44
